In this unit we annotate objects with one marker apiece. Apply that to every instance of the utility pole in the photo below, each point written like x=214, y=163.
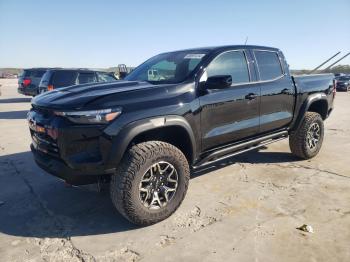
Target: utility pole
x=325, y=62
x=336, y=62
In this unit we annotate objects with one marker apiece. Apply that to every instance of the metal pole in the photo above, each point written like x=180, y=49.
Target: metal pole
x=336, y=62
x=329, y=59
x=246, y=40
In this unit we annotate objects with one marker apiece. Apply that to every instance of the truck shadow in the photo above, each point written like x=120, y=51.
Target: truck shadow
x=35, y=204
x=15, y=100
x=14, y=114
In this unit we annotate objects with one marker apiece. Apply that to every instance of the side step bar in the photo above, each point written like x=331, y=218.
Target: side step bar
x=236, y=149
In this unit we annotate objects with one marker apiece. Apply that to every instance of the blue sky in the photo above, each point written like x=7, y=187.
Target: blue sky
x=103, y=33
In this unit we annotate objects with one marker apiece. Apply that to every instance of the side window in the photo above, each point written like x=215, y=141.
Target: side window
x=231, y=63
x=269, y=65
x=86, y=78
x=64, y=78
x=104, y=77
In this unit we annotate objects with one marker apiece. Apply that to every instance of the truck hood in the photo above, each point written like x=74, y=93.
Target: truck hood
x=80, y=96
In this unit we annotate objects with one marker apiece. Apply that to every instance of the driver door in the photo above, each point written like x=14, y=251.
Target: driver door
x=232, y=113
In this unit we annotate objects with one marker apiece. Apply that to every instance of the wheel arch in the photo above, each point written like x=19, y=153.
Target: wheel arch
x=171, y=129
x=317, y=103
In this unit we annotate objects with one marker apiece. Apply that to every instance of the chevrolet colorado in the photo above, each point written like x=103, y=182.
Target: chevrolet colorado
x=176, y=112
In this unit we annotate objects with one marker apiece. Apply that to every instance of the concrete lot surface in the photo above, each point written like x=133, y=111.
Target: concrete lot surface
x=244, y=209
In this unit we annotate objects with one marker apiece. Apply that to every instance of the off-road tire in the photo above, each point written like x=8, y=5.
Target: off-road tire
x=124, y=186
x=298, y=138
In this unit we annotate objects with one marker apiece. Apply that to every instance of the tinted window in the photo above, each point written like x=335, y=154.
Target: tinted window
x=269, y=65
x=38, y=73
x=33, y=73
x=230, y=63
x=26, y=73
x=86, y=78
x=64, y=78
x=105, y=77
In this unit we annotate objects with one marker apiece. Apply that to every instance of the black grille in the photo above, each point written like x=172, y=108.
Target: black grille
x=46, y=113
x=45, y=143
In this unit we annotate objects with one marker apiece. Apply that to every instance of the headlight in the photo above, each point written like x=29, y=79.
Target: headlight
x=102, y=116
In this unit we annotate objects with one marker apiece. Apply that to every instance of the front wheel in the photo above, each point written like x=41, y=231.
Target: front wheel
x=150, y=183
x=306, y=141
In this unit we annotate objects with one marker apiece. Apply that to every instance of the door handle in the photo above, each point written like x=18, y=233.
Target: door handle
x=285, y=91
x=251, y=96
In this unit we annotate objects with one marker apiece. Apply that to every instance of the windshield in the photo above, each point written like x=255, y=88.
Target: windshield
x=167, y=68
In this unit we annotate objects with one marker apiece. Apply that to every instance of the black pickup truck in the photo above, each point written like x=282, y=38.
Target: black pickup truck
x=176, y=112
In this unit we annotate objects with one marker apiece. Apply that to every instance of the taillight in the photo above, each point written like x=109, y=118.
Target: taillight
x=49, y=87
x=334, y=86
x=26, y=82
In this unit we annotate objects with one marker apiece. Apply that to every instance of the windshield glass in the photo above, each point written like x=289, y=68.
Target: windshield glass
x=167, y=68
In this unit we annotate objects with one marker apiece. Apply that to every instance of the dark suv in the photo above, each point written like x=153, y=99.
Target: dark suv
x=29, y=80
x=58, y=78
x=343, y=83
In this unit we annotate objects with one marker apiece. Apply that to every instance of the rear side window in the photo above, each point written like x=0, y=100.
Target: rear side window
x=269, y=65
x=64, y=78
x=105, y=77
x=86, y=78
x=231, y=63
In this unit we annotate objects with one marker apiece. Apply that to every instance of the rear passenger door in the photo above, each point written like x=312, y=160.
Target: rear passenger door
x=277, y=90
x=232, y=113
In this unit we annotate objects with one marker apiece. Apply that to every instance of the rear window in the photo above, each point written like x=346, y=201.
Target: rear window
x=38, y=73
x=64, y=78
x=268, y=64
x=86, y=78
x=33, y=73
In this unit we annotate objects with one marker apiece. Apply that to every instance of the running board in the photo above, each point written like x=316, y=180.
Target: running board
x=236, y=149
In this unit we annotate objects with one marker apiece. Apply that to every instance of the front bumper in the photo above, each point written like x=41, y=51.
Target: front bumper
x=59, y=169
x=78, y=153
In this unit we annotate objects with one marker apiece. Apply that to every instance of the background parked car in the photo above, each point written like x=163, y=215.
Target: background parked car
x=59, y=78
x=343, y=83
x=28, y=81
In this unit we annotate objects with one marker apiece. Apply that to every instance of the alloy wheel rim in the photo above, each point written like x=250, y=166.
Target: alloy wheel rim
x=313, y=136
x=158, y=185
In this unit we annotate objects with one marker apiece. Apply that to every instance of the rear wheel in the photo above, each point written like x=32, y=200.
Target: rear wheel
x=150, y=183
x=306, y=142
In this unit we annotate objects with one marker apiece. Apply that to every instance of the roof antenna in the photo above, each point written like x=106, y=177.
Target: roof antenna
x=246, y=40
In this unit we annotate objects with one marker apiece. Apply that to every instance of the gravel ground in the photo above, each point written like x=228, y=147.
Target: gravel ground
x=244, y=209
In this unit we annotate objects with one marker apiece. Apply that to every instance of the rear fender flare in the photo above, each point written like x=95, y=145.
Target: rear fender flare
x=305, y=107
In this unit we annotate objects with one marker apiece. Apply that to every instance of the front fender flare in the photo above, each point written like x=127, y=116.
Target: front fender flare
x=122, y=140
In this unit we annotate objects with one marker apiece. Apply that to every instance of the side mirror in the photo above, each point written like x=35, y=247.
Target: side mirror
x=218, y=82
